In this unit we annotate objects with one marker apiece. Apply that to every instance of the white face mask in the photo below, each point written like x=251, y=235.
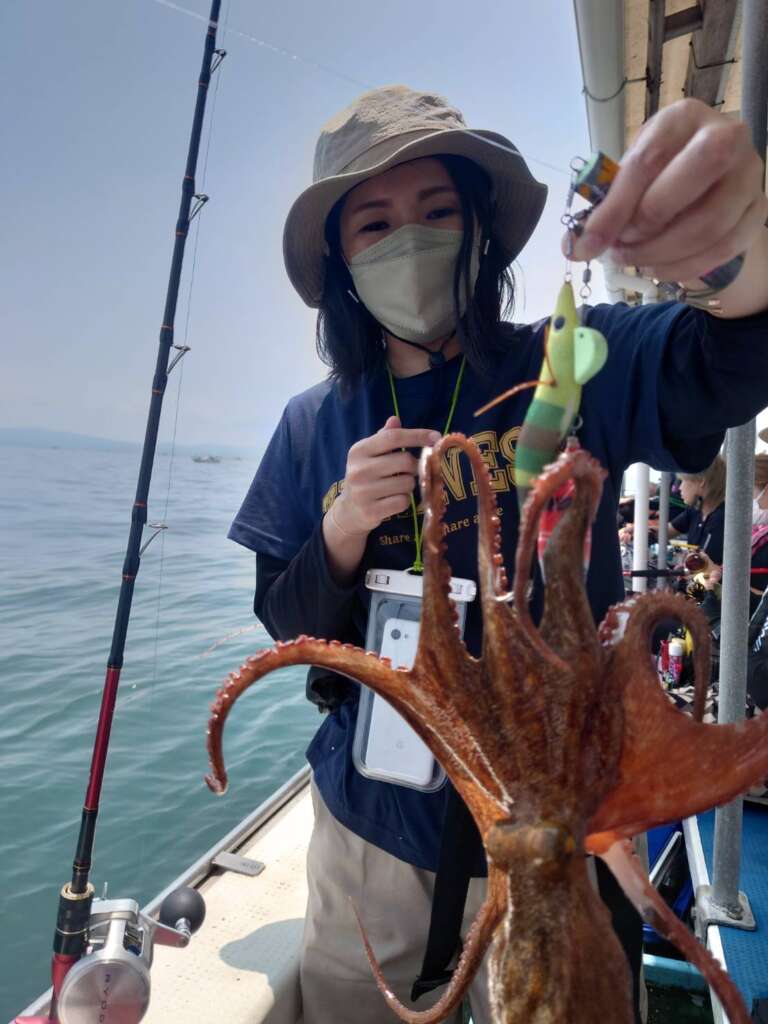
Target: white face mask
x=406, y=281
x=759, y=515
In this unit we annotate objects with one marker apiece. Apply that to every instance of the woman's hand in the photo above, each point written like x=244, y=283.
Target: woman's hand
x=688, y=198
x=379, y=478
x=713, y=576
x=378, y=482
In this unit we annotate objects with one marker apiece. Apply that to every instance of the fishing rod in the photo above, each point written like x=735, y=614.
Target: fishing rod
x=102, y=949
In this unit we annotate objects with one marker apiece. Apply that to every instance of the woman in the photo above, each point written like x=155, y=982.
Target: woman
x=702, y=523
x=403, y=244
x=712, y=570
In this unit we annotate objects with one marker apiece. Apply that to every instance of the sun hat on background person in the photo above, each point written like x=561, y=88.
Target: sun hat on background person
x=391, y=126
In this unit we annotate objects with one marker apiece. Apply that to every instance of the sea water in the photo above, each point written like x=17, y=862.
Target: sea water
x=64, y=520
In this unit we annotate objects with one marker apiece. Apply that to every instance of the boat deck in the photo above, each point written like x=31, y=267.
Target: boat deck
x=746, y=953
x=743, y=954
x=244, y=959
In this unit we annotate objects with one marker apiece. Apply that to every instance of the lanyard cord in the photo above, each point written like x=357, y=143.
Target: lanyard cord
x=418, y=565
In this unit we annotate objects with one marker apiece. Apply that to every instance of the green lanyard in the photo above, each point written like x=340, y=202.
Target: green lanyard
x=418, y=565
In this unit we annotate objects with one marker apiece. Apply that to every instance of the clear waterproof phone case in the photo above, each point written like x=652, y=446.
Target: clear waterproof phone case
x=385, y=747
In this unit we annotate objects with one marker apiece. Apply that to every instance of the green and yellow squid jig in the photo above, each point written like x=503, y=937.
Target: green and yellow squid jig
x=573, y=352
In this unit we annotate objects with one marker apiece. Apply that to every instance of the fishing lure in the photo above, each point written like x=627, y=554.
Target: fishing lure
x=573, y=354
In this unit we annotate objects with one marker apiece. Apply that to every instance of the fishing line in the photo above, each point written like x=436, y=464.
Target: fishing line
x=334, y=72
x=231, y=636
x=297, y=57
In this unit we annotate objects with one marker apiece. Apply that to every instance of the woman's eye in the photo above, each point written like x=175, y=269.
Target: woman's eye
x=442, y=211
x=375, y=225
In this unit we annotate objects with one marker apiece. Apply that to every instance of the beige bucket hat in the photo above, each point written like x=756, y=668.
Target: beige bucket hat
x=386, y=127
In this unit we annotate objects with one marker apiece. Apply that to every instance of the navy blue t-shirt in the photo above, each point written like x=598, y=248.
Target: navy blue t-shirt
x=706, y=532
x=303, y=469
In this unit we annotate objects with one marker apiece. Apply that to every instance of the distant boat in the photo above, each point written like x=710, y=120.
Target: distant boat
x=206, y=458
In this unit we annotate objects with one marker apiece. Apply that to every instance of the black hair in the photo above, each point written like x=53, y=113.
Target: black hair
x=349, y=338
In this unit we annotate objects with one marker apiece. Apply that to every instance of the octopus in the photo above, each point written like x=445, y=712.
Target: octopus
x=562, y=743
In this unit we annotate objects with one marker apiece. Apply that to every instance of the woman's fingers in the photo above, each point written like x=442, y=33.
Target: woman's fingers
x=363, y=471
x=390, y=486
x=689, y=232
x=381, y=474
x=392, y=505
x=720, y=251
x=688, y=196
x=665, y=135
x=389, y=439
x=724, y=158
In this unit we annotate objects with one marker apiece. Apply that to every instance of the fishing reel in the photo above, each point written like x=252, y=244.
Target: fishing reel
x=110, y=983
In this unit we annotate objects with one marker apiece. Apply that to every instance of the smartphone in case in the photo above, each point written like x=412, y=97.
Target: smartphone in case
x=384, y=747
x=393, y=749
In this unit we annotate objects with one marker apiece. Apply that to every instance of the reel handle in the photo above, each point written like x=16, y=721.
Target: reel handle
x=181, y=914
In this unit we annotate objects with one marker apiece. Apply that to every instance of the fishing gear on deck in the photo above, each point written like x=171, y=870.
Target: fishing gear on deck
x=102, y=949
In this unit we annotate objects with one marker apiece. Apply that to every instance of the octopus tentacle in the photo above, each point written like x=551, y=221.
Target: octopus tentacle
x=478, y=939
x=631, y=876
x=458, y=753
x=502, y=632
x=629, y=627
x=501, y=629
x=343, y=658
x=588, y=475
x=567, y=624
x=438, y=613
x=492, y=574
x=693, y=766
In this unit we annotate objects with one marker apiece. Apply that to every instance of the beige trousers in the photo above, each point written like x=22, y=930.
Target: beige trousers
x=394, y=900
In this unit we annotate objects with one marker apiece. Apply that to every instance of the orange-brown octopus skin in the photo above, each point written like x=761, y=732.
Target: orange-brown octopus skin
x=560, y=740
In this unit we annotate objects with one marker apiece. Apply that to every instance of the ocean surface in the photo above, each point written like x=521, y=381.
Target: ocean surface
x=64, y=519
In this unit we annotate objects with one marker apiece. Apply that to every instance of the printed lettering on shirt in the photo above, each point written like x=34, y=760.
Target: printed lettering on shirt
x=332, y=494
x=488, y=444
x=507, y=447
x=502, y=476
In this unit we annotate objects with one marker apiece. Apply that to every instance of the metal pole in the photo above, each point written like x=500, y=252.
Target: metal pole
x=642, y=481
x=738, y=505
x=665, y=484
x=640, y=533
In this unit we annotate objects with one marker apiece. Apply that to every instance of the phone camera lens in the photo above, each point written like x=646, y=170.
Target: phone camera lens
x=395, y=634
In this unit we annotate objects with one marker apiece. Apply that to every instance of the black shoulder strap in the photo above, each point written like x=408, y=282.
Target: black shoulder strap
x=459, y=845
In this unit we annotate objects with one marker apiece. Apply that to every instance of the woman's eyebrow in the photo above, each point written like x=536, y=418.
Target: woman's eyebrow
x=371, y=204
x=380, y=204
x=427, y=193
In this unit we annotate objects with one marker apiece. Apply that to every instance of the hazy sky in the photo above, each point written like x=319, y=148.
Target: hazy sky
x=97, y=104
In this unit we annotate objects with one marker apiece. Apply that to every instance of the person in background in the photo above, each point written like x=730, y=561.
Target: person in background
x=627, y=505
x=703, y=521
x=712, y=572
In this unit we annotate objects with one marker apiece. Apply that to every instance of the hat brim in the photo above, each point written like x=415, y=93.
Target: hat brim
x=518, y=199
